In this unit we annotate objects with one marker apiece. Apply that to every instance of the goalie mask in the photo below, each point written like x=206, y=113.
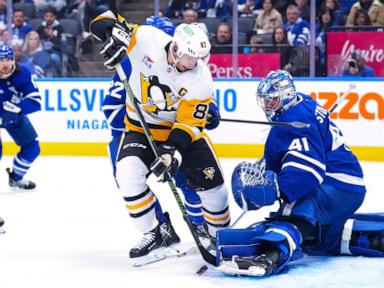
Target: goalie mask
x=190, y=44
x=276, y=93
x=7, y=61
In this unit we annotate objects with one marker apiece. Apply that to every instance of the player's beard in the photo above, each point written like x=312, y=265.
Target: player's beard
x=7, y=72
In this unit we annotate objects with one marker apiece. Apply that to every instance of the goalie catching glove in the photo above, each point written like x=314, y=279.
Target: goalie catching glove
x=166, y=165
x=116, y=45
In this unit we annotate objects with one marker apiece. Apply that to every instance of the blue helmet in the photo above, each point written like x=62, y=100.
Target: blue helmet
x=162, y=23
x=6, y=52
x=276, y=93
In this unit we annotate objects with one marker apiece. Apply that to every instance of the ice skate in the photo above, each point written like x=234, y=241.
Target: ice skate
x=19, y=184
x=163, y=235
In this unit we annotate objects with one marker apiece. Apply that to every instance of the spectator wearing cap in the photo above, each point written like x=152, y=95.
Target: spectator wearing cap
x=355, y=66
x=20, y=28
x=268, y=18
x=50, y=32
x=374, y=8
x=298, y=28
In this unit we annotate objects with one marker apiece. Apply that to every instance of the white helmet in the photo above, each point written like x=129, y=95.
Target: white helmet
x=191, y=40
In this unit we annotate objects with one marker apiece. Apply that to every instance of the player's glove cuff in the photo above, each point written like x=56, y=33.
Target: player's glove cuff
x=166, y=165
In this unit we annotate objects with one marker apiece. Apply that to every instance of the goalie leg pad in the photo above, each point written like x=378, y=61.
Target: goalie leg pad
x=258, y=239
x=363, y=235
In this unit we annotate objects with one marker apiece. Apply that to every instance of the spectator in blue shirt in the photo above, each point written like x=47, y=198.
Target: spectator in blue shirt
x=19, y=27
x=298, y=29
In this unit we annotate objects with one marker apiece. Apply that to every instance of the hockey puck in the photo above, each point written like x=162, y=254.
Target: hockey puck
x=202, y=270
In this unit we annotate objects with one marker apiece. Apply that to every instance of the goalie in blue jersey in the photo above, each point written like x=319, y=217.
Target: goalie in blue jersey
x=318, y=182
x=18, y=97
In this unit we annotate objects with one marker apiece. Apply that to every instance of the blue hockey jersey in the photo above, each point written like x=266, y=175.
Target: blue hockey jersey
x=305, y=158
x=20, y=90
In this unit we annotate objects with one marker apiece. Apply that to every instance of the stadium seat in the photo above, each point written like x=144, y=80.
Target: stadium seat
x=72, y=38
x=211, y=23
x=245, y=24
x=35, y=23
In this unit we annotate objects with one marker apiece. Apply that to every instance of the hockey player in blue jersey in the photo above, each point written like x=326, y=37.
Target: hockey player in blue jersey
x=18, y=97
x=318, y=182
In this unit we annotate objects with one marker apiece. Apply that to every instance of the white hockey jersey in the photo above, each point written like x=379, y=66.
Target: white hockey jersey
x=169, y=99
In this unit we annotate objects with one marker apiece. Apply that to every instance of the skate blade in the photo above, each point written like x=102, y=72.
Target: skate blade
x=231, y=268
x=20, y=190
x=162, y=254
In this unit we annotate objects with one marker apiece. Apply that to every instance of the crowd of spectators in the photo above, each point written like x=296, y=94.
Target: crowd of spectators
x=40, y=41
x=280, y=26
x=283, y=27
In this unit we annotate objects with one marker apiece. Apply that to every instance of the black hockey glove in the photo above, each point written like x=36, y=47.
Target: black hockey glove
x=10, y=113
x=166, y=165
x=116, y=45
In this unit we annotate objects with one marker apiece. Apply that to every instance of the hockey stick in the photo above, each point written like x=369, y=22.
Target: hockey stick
x=204, y=268
x=351, y=87
x=208, y=257
x=294, y=124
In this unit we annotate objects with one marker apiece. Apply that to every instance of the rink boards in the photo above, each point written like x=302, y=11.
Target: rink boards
x=71, y=121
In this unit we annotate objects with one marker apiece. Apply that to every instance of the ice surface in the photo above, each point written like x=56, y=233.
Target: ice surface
x=74, y=231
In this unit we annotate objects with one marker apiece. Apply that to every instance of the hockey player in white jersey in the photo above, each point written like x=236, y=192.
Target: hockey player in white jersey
x=170, y=79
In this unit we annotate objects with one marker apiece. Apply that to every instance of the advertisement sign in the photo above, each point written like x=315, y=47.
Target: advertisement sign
x=71, y=120
x=340, y=45
x=249, y=65
x=71, y=111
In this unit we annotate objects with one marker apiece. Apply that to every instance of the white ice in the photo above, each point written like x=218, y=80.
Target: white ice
x=74, y=231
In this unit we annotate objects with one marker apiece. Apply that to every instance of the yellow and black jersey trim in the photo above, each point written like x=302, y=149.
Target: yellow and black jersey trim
x=158, y=131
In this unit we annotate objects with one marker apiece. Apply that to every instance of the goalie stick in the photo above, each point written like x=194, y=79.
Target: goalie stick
x=208, y=257
x=294, y=124
x=351, y=87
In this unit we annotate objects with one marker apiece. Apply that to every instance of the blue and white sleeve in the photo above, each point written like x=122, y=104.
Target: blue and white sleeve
x=31, y=101
x=302, y=166
x=114, y=105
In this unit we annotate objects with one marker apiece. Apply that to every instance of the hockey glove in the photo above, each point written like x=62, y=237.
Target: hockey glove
x=166, y=165
x=116, y=45
x=9, y=114
x=213, y=117
x=253, y=187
